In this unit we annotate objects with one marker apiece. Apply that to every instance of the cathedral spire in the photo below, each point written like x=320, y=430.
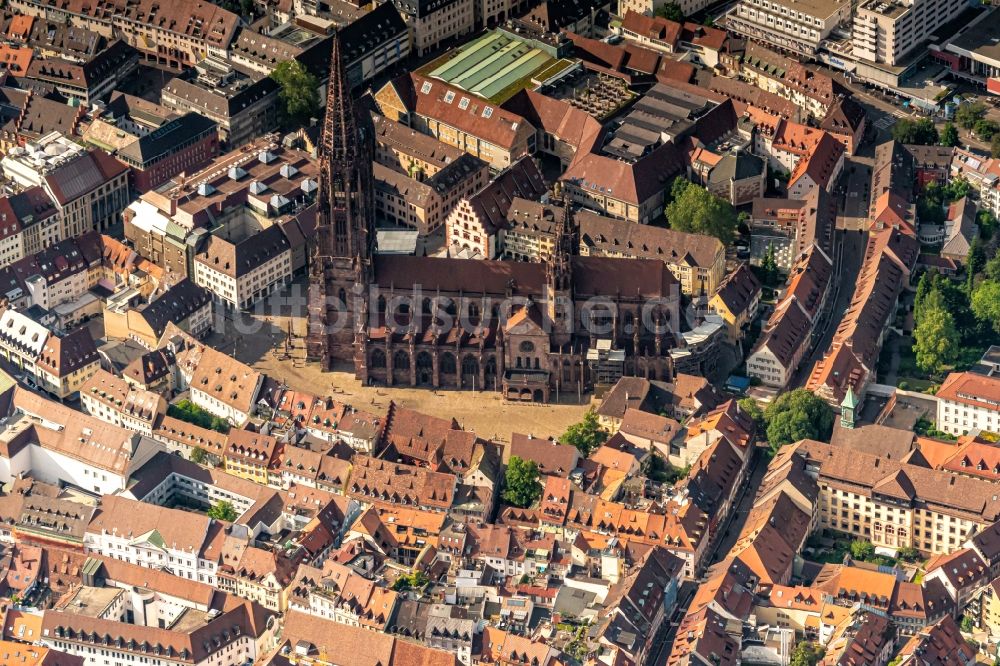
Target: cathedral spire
x=339, y=124
x=345, y=155
x=341, y=265
x=564, y=243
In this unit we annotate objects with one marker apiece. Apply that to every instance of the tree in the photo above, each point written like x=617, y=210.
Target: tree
x=936, y=341
x=223, y=510
x=586, y=435
x=769, y=267
x=806, y=653
x=985, y=129
x=974, y=264
x=995, y=146
x=949, y=135
x=986, y=302
x=298, y=90
x=185, y=410
x=987, y=223
x=678, y=186
x=659, y=470
x=862, y=550
x=967, y=624
x=923, y=289
x=991, y=271
x=410, y=581
x=696, y=210
x=919, y=132
x=796, y=415
x=671, y=11
x=743, y=222
x=967, y=115
x=521, y=485
x=908, y=554
x=198, y=455
x=753, y=410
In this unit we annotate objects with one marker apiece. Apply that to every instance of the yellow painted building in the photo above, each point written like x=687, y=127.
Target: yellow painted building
x=250, y=455
x=736, y=302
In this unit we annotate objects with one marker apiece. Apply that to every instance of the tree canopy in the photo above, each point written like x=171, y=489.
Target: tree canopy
x=919, y=132
x=753, y=410
x=198, y=455
x=769, y=268
x=949, y=135
x=410, y=581
x=696, y=210
x=185, y=410
x=521, y=485
x=985, y=129
x=967, y=115
x=796, y=415
x=299, y=90
x=806, y=653
x=936, y=340
x=862, y=550
x=586, y=435
x=223, y=510
x=671, y=11
x=986, y=301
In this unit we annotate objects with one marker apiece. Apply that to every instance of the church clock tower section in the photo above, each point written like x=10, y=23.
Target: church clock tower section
x=341, y=263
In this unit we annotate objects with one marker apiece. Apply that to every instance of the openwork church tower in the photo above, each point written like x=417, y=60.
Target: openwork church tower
x=341, y=265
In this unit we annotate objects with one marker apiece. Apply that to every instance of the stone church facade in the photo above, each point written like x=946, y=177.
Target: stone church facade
x=517, y=327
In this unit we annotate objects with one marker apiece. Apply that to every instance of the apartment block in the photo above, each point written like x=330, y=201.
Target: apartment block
x=968, y=402
x=798, y=27
x=173, y=34
x=895, y=504
x=886, y=31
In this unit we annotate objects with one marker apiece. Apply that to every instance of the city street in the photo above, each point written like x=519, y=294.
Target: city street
x=884, y=111
x=847, y=264
x=727, y=534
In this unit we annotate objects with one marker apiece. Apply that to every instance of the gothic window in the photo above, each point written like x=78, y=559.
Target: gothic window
x=378, y=359
x=401, y=360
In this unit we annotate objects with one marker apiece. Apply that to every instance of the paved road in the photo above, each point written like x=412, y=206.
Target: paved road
x=849, y=255
x=728, y=533
x=664, y=641
x=885, y=110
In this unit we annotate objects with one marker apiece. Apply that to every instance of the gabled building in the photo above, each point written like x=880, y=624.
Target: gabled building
x=251, y=455
x=186, y=305
x=186, y=544
x=457, y=118
x=890, y=256
x=941, y=644
x=112, y=399
x=184, y=144
x=697, y=261
x=736, y=302
x=241, y=273
x=92, y=80
x=218, y=383
x=787, y=335
x=475, y=227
